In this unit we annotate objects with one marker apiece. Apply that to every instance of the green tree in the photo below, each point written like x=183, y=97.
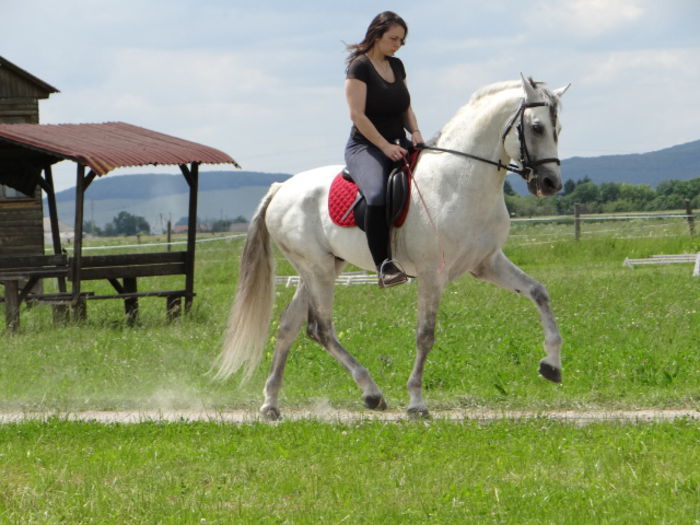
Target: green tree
x=127, y=224
x=638, y=195
x=508, y=189
x=609, y=191
x=586, y=192
x=569, y=187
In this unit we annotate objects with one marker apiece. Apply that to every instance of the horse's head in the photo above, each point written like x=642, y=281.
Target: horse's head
x=531, y=138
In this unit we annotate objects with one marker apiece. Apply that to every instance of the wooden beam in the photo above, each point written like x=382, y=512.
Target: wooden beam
x=53, y=211
x=191, y=233
x=43, y=184
x=88, y=179
x=78, y=228
x=186, y=173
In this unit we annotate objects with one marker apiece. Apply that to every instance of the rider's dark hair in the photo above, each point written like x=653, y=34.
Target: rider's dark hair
x=380, y=25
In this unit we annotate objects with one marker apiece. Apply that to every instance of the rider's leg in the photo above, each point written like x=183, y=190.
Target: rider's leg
x=377, y=232
x=369, y=168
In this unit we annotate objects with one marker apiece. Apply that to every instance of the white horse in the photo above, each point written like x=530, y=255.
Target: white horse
x=457, y=223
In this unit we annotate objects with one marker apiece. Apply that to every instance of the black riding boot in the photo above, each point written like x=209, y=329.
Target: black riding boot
x=378, y=240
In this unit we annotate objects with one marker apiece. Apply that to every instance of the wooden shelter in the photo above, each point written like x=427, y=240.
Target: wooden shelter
x=27, y=152
x=21, y=227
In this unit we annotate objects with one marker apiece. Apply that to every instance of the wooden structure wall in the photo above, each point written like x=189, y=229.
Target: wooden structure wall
x=21, y=216
x=21, y=227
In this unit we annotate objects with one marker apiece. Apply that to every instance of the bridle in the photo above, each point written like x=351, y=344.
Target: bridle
x=527, y=165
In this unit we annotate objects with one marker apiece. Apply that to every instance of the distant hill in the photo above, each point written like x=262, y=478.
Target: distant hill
x=153, y=185
x=229, y=194
x=162, y=197
x=680, y=162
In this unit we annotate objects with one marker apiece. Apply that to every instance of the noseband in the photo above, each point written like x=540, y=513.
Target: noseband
x=527, y=165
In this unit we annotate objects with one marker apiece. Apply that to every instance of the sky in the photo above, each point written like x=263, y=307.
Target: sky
x=263, y=80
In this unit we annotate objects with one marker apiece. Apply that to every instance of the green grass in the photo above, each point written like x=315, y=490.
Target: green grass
x=630, y=341
x=310, y=472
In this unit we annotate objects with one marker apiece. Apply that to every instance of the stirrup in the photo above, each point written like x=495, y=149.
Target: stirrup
x=391, y=274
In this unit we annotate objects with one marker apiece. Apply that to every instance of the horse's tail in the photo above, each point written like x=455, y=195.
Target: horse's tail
x=249, y=320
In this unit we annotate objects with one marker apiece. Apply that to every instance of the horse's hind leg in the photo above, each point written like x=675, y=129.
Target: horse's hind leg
x=290, y=323
x=312, y=321
x=321, y=300
x=501, y=271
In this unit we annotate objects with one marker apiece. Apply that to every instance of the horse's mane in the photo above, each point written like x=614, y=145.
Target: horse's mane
x=496, y=88
x=492, y=89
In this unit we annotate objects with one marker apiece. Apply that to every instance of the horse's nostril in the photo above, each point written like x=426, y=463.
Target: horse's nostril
x=551, y=184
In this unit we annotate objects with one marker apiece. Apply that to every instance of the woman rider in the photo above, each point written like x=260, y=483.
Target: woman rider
x=380, y=109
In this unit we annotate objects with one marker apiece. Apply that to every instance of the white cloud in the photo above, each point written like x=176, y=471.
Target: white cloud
x=586, y=18
x=654, y=65
x=264, y=81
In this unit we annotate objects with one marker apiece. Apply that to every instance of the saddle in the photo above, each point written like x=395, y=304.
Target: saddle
x=347, y=205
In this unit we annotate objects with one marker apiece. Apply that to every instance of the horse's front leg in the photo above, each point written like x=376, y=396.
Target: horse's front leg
x=501, y=271
x=428, y=304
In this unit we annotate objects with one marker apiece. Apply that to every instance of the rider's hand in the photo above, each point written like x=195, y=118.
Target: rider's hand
x=417, y=138
x=394, y=152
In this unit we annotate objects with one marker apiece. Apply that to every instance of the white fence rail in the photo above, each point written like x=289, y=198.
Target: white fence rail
x=344, y=279
x=687, y=258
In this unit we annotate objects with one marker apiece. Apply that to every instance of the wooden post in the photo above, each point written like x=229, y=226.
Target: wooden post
x=577, y=220
x=690, y=216
x=60, y=311
x=131, y=304
x=192, y=178
x=170, y=234
x=78, y=306
x=12, y=305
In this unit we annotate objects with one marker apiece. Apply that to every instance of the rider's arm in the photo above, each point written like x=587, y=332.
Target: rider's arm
x=410, y=122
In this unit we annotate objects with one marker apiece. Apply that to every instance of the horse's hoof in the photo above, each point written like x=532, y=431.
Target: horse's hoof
x=418, y=413
x=549, y=372
x=375, y=402
x=270, y=413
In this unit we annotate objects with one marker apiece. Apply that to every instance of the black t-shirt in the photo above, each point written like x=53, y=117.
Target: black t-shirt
x=386, y=102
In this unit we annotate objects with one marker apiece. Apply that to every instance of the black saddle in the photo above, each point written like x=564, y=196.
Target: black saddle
x=397, y=193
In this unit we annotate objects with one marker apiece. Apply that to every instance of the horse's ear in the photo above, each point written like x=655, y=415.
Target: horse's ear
x=560, y=91
x=529, y=87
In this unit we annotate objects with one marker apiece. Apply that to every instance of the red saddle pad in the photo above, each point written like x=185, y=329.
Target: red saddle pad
x=341, y=196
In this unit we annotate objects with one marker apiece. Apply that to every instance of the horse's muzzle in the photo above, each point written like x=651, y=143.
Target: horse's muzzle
x=544, y=182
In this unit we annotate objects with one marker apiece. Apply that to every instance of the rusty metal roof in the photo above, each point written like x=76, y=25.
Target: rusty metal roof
x=111, y=145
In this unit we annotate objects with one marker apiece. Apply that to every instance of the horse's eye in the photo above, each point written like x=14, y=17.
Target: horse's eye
x=537, y=128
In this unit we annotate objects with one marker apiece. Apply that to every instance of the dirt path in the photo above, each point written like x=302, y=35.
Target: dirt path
x=346, y=416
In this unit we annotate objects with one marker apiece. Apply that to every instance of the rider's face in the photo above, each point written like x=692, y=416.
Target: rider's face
x=391, y=41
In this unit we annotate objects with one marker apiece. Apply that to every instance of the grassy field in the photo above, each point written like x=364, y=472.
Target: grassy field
x=630, y=341
x=310, y=472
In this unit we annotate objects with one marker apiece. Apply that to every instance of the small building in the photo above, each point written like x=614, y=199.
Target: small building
x=21, y=224
x=97, y=150
x=28, y=150
x=184, y=228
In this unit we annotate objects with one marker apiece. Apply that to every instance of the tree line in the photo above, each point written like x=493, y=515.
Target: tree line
x=608, y=197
